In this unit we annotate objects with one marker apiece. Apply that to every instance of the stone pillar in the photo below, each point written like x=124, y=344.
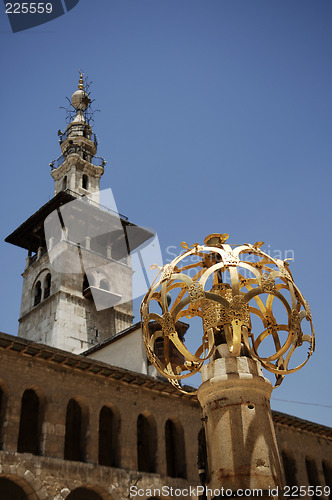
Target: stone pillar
x=50, y=243
x=241, y=444
x=87, y=242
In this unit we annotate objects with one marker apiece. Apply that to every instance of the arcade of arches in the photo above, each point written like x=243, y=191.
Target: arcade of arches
x=72, y=427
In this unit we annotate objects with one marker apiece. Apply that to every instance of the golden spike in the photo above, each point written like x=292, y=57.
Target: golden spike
x=80, y=83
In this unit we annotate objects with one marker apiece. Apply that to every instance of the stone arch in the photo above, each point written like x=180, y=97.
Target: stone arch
x=31, y=420
x=109, y=432
x=101, y=280
x=47, y=286
x=327, y=471
x=290, y=468
x=175, y=449
x=13, y=487
x=37, y=293
x=77, y=419
x=312, y=471
x=146, y=442
x=37, y=287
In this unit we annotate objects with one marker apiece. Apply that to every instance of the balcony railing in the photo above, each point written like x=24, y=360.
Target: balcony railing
x=57, y=162
x=92, y=137
x=98, y=161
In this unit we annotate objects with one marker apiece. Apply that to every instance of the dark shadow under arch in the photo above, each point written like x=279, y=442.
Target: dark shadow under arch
x=175, y=449
x=109, y=430
x=290, y=468
x=37, y=293
x=327, y=470
x=83, y=494
x=146, y=443
x=30, y=423
x=47, y=285
x=312, y=472
x=3, y=405
x=15, y=488
x=76, y=431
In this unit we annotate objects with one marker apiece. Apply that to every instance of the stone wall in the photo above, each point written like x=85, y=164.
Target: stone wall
x=56, y=377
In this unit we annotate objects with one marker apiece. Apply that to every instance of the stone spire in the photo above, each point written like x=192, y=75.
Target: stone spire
x=80, y=100
x=78, y=168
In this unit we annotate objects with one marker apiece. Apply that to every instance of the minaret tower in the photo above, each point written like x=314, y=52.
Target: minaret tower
x=64, y=274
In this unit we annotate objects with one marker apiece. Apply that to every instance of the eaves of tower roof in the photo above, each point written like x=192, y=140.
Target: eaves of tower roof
x=30, y=234
x=27, y=235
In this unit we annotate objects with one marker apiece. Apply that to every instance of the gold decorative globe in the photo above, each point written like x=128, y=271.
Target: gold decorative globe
x=245, y=299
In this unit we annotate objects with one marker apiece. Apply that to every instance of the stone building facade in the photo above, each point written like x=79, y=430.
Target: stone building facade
x=75, y=427
x=75, y=422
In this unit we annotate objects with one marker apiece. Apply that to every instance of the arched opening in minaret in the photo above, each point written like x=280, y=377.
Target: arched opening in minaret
x=37, y=293
x=175, y=449
x=47, y=285
x=64, y=183
x=29, y=430
x=109, y=428
x=146, y=443
x=85, y=181
x=76, y=428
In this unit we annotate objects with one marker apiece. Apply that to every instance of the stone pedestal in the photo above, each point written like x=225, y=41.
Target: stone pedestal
x=241, y=444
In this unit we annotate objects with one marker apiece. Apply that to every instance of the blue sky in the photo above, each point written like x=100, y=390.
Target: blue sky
x=215, y=116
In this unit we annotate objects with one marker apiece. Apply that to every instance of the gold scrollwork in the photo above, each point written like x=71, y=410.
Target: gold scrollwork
x=268, y=283
x=241, y=290
x=195, y=291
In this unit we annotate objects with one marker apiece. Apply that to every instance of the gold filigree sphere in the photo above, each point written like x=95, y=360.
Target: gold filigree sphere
x=245, y=299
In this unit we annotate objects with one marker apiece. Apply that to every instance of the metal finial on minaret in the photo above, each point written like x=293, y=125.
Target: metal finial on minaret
x=80, y=101
x=80, y=83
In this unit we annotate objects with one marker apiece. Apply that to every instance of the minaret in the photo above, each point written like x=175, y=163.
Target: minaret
x=64, y=274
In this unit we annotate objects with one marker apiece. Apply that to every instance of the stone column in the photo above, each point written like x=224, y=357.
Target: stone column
x=241, y=444
x=87, y=242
